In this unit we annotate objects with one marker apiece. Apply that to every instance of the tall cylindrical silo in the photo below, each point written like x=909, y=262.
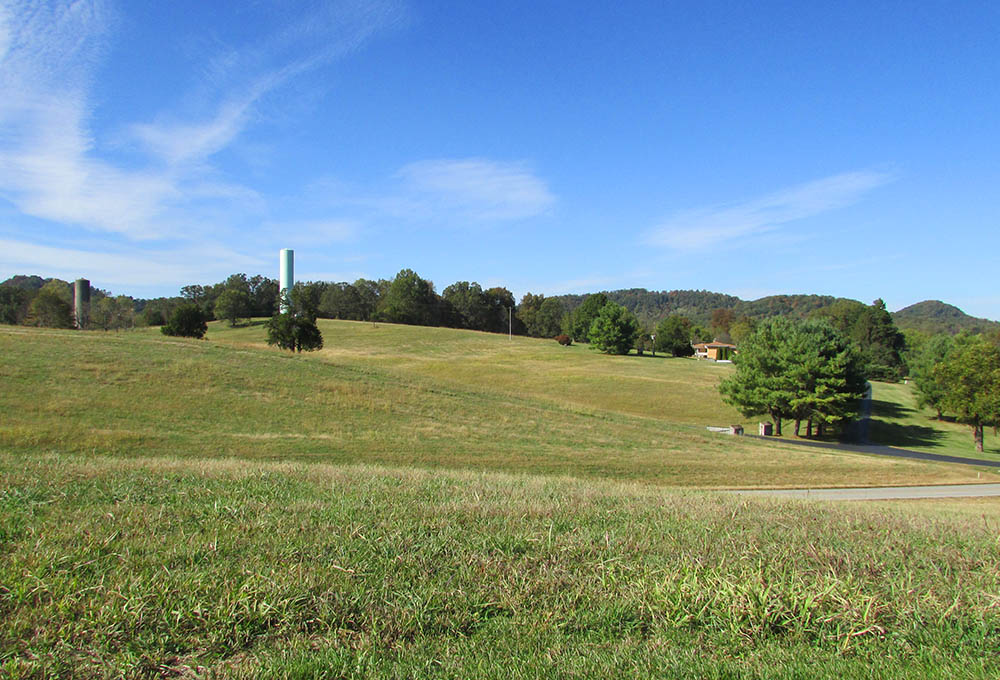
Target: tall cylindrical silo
x=81, y=303
x=286, y=274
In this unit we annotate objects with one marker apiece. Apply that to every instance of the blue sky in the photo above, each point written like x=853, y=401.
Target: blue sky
x=845, y=148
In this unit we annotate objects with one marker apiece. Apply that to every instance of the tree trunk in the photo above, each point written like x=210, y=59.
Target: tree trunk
x=977, y=433
x=809, y=429
x=797, y=423
x=777, y=426
x=819, y=429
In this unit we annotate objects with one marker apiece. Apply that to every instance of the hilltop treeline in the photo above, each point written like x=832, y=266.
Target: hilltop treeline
x=933, y=317
x=408, y=298
x=649, y=306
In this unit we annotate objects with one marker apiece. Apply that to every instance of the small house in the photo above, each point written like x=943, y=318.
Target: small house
x=716, y=351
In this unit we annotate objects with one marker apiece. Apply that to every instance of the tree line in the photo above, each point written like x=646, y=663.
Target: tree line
x=408, y=298
x=811, y=371
x=807, y=367
x=34, y=301
x=959, y=378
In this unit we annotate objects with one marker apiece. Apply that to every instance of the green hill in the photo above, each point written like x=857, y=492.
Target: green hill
x=400, y=395
x=25, y=282
x=934, y=316
x=698, y=305
x=426, y=503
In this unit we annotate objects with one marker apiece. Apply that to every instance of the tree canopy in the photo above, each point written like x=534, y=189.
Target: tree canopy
x=921, y=361
x=540, y=315
x=186, y=321
x=614, y=330
x=51, y=306
x=233, y=304
x=802, y=370
x=870, y=327
x=673, y=336
x=584, y=315
x=294, y=332
x=969, y=377
x=409, y=299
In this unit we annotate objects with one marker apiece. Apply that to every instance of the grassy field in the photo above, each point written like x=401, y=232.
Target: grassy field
x=898, y=421
x=399, y=395
x=229, y=568
x=426, y=503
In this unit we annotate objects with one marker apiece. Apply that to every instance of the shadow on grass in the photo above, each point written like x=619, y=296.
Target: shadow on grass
x=903, y=436
x=889, y=409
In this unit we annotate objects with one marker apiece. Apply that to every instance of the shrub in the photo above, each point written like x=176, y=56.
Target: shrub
x=564, y=339
x=293, y=332
x=187, y=321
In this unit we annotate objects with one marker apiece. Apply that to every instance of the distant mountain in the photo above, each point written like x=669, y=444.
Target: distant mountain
x=698, y=305
x=934, y=316
x=25, y=282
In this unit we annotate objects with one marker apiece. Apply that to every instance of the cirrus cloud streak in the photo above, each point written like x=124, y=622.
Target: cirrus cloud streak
x=706, y=227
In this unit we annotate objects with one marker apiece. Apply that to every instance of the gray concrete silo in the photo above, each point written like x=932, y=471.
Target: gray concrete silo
x=81, y=303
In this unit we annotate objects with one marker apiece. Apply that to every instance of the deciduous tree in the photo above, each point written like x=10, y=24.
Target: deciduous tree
x=186, y=321
x=51, y=306
x=293, y=332
x=232, y=305
x=409, y=299
x=970, y=377
x=673, y=336
x=931, y=391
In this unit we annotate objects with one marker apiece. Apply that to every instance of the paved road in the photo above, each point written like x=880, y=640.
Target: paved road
x=879, y=493
x=876, y=450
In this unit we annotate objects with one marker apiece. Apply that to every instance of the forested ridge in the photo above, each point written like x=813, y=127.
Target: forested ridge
x=359, y=301
x=934, y=316
x=649, y=306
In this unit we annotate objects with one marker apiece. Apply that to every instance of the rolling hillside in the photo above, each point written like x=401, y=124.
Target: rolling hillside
x=427, y=503
x=430, y=503
x=930, y=316
x=401, y=395
x=934, y=316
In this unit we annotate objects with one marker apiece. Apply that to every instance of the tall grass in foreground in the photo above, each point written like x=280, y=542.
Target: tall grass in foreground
x=156, y=567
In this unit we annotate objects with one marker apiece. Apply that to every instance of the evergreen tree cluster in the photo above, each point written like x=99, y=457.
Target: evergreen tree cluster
x=797, y=370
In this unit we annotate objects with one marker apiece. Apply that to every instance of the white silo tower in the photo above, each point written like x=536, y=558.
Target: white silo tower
x=286, y=275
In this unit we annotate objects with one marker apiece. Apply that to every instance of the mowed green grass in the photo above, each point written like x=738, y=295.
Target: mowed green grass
x=400, y=395
x=897, y=420
x=228, y=568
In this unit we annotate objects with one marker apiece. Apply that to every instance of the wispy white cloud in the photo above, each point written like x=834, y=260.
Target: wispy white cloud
x=707, y=227
x=311, y=232
x=473, y=188
x=46, y=164
x=50, y=167
x=157, y=267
